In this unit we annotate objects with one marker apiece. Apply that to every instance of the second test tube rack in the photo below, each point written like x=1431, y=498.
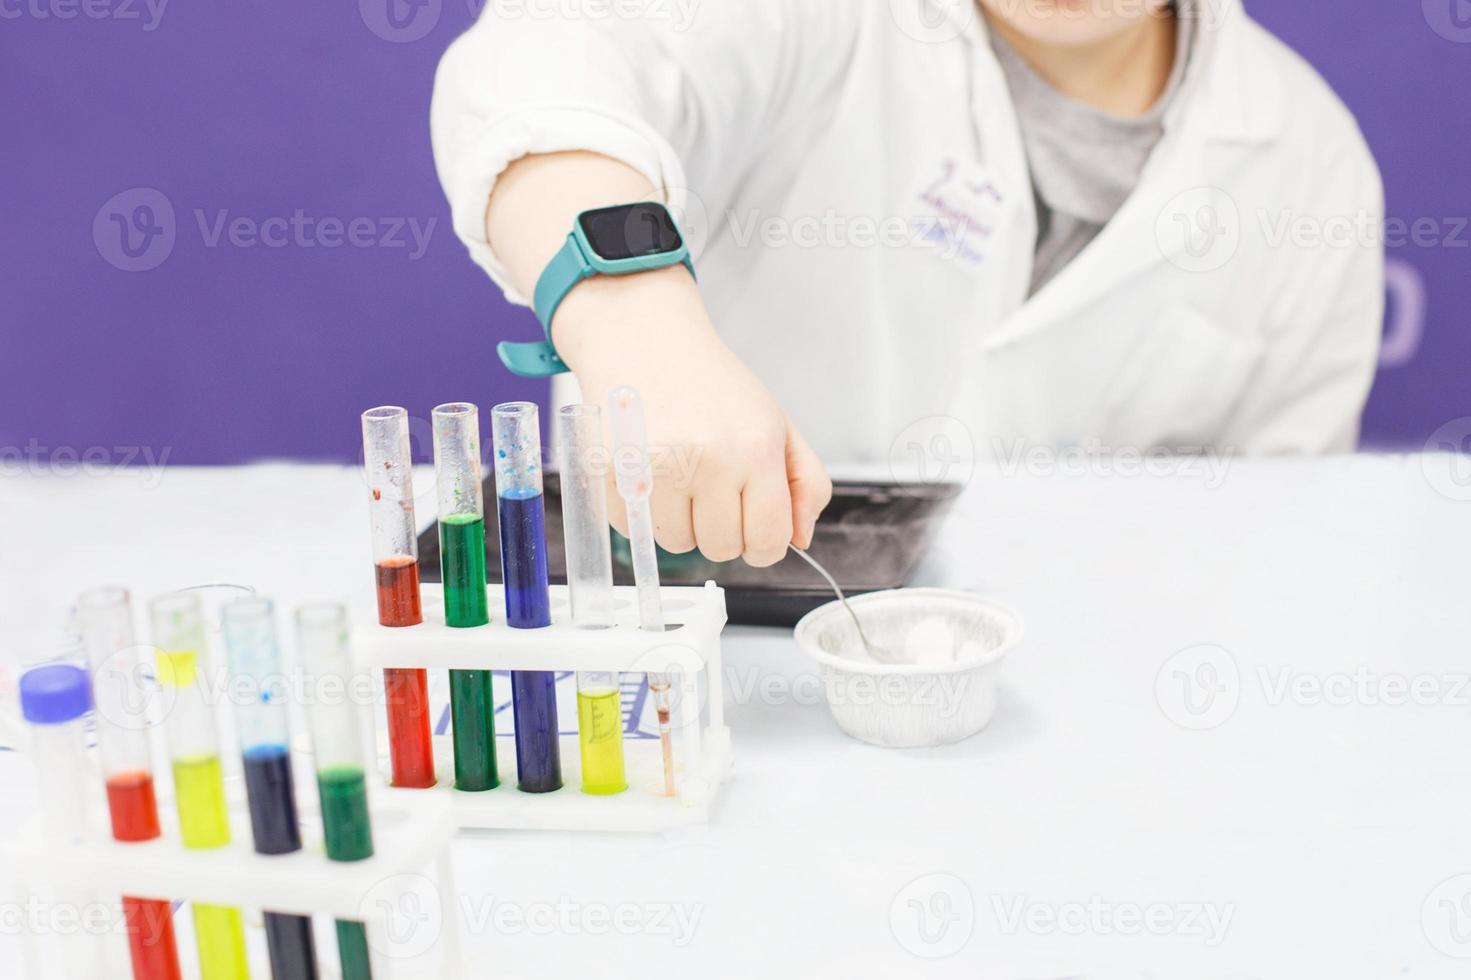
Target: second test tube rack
x=411, y=919
x=688, y=650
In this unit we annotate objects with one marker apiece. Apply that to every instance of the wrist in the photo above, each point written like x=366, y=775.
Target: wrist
x=606, y=318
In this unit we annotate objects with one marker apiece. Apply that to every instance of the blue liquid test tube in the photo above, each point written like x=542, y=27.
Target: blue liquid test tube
x=259, y=689
x=517, y=443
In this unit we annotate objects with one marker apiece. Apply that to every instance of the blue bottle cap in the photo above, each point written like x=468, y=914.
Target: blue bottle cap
x=55, y=693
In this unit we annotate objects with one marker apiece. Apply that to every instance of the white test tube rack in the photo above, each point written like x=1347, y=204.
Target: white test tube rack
x=391, y=892
x=688, y=649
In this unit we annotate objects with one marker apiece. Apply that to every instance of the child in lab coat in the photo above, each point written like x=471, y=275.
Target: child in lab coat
x=1123, y=224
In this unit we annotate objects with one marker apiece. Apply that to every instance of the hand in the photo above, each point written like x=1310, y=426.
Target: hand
x=732, y=476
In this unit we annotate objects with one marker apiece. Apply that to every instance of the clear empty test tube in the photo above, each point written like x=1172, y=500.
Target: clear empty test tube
x=517, y=444
x=583, y=467
x=54, y=700
x=258, y=689
x=322, y=641
x=635, y=481
x=388, y=467
x=462, y=570
x=199, y=784
x=106, y=619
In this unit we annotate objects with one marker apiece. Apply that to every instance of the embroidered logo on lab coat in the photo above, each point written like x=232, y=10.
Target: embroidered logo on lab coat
x=963, y=208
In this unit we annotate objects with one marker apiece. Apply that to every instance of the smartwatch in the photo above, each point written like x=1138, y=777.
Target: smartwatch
x=616, y=241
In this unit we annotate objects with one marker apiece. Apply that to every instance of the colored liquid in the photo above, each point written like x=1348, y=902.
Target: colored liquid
x=292, y=948
x=150, y=923
x=524, y=561
x=272, y=799
x=151, y=945
x=200, y=788
x=134, y=809
x=407, y=690
x=409, y=746
x=528, y=606
x=205, y=824
x=538, y=752
x=273, y=824
x=349, y=837
x=345, y=823
x=600, y=734
x=398, y=591
x=462, y=569
x=472, y=709
x=352, y=951
x=220, y=936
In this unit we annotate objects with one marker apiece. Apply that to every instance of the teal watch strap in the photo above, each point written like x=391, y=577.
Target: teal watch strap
x=539, y=359
x=568, y=267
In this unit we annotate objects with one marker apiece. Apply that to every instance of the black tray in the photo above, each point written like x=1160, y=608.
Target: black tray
x=870, y=537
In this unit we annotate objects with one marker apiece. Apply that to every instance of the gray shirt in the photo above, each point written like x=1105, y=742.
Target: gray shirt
x=1084, y=162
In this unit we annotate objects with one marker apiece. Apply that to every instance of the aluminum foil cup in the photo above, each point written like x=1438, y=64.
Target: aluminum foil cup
x=948, y=646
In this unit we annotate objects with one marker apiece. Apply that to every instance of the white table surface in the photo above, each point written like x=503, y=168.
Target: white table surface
x=1318, y=829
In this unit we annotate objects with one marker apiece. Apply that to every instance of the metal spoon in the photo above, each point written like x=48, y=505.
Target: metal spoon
x=874, y=652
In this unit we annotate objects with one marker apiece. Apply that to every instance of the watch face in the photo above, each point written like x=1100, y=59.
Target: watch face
x=630, y=231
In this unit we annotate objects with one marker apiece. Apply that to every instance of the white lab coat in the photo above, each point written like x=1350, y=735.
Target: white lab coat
x=852, y=180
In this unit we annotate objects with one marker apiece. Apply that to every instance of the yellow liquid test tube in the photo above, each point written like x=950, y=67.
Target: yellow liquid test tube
x=590, y=583
x=199, y=784
x=600, y=735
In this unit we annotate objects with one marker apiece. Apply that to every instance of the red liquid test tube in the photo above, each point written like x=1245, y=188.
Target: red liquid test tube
x=122, y=730
x=388, y=469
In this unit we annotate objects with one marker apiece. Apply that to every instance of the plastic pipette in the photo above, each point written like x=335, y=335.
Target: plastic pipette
x=635, y=483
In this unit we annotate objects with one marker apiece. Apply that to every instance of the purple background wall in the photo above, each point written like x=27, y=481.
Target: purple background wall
x=228, y=348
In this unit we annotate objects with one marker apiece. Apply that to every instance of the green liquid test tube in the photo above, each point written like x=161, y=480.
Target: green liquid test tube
x=590, y=582
x=462, y=570
x=199, y=785
x=321, y=633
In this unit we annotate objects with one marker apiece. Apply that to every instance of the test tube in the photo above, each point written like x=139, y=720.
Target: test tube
x=260, y=687
x=199, y=784
x=106, y=619
x=462, y=570
x=590, y=584
x=321, y=638
x=517, y=443
x=389, y=469
x=635, y=481
x=55, y=700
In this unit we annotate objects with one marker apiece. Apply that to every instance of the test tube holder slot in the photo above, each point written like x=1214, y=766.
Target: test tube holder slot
x=411, y=917
x=689, y=649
